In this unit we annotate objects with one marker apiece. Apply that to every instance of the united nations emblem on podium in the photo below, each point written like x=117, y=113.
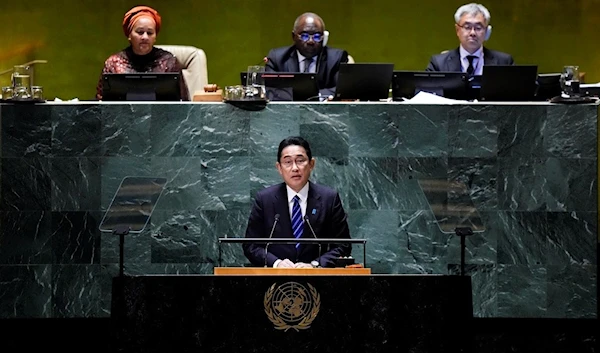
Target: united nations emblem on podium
x=292, y=305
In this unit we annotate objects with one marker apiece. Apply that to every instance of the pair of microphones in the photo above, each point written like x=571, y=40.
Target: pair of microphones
x=312, y=231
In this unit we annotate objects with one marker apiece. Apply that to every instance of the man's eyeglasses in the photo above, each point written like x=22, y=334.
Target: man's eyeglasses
x=289, y=163
x=305, y=37
x=468, y=27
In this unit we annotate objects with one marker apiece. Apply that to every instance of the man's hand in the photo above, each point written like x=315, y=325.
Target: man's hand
x=285, y=264
x=302, y=265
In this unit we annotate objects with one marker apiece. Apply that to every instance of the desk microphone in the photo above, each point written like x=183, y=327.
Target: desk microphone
x=312, y=231
x=270, y=236
x=263, y=61
x=246, y=76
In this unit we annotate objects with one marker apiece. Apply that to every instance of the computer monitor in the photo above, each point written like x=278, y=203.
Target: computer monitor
x=548, y=86
x=288, y=86
x=406, y=84
x=155, y=86
x=508, y=82
x=364, y=81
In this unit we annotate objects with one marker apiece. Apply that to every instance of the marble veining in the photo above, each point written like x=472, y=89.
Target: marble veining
x=530, y=171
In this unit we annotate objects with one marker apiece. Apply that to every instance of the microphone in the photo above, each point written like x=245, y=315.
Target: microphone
x=270, y=236
x=312, y=231
x=263, y=61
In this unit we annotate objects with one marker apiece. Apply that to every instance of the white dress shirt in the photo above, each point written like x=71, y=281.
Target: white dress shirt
x=303, y=196
x=477, y=62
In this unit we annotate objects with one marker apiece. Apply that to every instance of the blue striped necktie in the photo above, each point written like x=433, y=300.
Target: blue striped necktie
x=297, y=224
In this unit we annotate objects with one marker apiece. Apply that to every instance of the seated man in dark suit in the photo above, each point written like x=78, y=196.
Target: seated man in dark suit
x=308, y=54
x=289, y=203
x=472, y=28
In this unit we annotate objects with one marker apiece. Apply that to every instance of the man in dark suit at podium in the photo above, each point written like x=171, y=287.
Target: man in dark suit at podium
x=309, y=54
x=472, y=29
x=291, y=208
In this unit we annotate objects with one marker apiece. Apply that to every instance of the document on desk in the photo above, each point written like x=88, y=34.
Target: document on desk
x=429, y=98
x=590, y=85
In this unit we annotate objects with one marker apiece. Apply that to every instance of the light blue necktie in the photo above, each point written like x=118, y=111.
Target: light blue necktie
x=297, y=224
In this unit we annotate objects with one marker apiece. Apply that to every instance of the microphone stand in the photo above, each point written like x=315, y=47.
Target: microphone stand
x=270, y=236
x=314, y=236
x=266, y=252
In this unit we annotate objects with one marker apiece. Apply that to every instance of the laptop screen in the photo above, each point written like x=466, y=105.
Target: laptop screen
x=154, y=86
x=364, y=81
x=508, y=82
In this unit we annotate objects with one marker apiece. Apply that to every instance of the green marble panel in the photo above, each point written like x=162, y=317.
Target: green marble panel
x=522, y=291
x=531, y=171
x=26, y=291
x=76, y=291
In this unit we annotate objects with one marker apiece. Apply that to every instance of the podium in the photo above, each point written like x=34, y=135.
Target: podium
x=306, y=310
x=320, y=242
x=269, y=271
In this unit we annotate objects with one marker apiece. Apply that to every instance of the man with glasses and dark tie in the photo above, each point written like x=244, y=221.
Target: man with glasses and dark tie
x=472, y=29
x=309, y=54
x=296, y=208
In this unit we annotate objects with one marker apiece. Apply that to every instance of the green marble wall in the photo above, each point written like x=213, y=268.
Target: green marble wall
x=531, y=172
x=77, y=36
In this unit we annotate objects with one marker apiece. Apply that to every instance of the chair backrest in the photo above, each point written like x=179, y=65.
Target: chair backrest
x=193, y=62
x=350, y=59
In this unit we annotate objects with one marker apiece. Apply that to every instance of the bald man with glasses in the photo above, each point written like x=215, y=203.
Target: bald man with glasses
x=309, y=54
x=472, y=29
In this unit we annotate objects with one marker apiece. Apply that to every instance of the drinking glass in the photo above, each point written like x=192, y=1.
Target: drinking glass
x=22, y=93
x=233, y=93
x=569, y=80
x=37, y=93
x=7, y=93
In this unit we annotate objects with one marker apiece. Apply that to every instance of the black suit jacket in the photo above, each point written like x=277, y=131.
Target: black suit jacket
x=325, y=213
x=285, y=59
x=450, y=61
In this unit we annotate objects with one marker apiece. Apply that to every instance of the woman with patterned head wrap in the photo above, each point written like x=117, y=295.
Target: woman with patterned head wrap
x=141, y=25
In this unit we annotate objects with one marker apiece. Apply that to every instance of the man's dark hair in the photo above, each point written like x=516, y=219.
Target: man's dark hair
x=294, y=141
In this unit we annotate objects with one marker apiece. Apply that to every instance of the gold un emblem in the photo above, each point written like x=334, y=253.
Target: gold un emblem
x=291, y=305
